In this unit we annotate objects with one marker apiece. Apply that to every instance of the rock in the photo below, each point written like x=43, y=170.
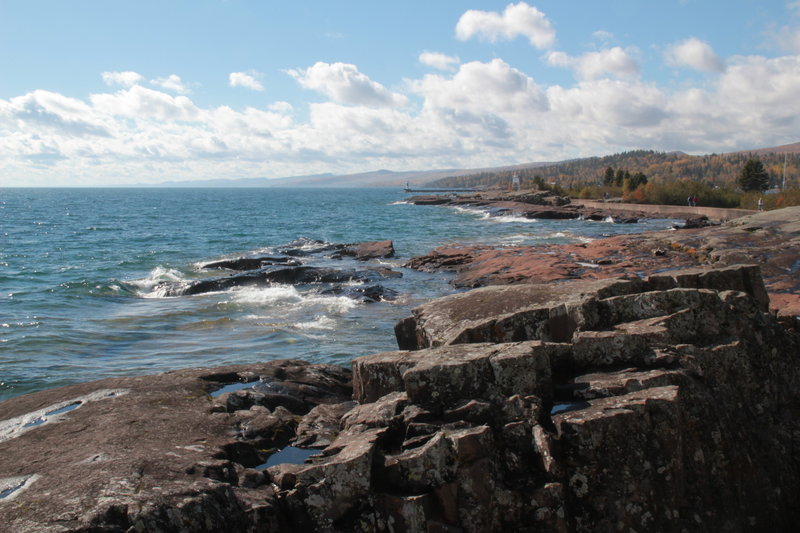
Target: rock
x=366, y=250
x=770, y=239
x=295, y=275
x=320, y=427
x=251, y=263
x=664, y=404
x=364, y=294
x=548, y=312
x=150, y=453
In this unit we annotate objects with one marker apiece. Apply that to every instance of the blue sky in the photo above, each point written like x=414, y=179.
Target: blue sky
x=101, y=93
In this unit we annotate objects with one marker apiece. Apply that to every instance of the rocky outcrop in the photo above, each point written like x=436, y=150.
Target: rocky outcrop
x=173, y=452
x=554, y=311
x=670, y=407
x=530, y=204
x=295, y=275
x=661, y=404
x=770, y=239
x=292, y=268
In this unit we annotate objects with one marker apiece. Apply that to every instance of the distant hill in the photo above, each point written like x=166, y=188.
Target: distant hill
x=784, y=149
x=377, y=178
x=716, y=169
x=668, y=166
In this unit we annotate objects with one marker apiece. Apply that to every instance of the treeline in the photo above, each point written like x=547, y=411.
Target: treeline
x=660, y=167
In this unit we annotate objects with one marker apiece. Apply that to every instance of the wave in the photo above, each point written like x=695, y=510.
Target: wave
x=159, y=283
x=323, y=323
x=287, y=297
x=509, y=219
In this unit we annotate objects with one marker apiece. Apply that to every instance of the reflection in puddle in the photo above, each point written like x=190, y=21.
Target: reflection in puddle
x=39, y=420
x=290, y=454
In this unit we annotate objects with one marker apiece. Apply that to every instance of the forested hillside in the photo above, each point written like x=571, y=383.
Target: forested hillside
x=714, y=169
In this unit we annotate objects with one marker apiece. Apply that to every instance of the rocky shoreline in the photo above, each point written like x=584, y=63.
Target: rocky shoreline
x=596, y=387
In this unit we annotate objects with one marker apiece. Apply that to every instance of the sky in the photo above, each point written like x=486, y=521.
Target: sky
x=99, y=93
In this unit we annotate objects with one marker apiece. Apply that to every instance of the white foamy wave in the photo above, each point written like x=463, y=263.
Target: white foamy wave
x=507, y=219
x=273, y=296
x=468, y=211
x=289, y=298
x=515, y=239
x=159, y=283
x=324, y=323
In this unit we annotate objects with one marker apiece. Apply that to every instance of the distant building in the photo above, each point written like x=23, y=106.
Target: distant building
x=515, y=183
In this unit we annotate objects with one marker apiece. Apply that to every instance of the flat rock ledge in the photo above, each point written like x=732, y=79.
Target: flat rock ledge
x=661, y=404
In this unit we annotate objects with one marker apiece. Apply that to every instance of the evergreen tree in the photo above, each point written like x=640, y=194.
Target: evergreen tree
x=754, y=176
x=608, y=179
x=619, y=177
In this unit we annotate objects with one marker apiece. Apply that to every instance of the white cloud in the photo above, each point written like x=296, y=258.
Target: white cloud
x=172, y=83
x=515, y=21
x=281, y=107
x=595, y=65
x=244, y=79
x=788, y=38
x=140, y=102
x=48, y=113
x=438, y=60
x=696, y=54
x=125, y=79
x=483, y=114
x=603, y=35
x=344, y=84
x=483, y=88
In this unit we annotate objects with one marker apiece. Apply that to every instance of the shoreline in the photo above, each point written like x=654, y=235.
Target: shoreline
x=570, y=379
x=546, y=205
x=770, y=239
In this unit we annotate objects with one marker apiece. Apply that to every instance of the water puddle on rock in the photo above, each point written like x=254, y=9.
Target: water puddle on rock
x=566, y=407
x=290, y=454
x=10, y=486
x=38, y=421
x=233, y=387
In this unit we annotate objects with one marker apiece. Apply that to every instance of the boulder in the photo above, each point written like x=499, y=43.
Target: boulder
x=549, y=312
x=364, y=251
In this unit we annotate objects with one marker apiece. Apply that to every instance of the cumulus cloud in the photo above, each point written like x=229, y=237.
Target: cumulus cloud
x=614, y=61
x=246, y=80
x=493, y=87
x=172, y=82
x=125, y=79
x=516, y=20
x=344, y=84
x=695, y=54
x=481, y=114
x=438, y=60
x=50, y=112
x=141, y=102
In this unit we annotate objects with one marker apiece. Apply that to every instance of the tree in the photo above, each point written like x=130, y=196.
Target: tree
x=754, y=176
x=619, y=177
x=608, y=179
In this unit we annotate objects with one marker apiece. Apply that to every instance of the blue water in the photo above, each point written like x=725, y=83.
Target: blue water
x=79, y=272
